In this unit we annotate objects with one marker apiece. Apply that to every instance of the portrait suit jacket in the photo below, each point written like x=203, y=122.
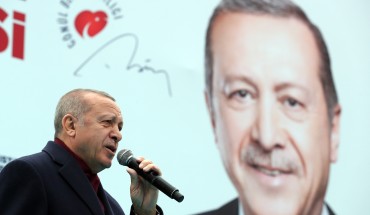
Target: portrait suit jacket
x=52, y=183
x=232, y=208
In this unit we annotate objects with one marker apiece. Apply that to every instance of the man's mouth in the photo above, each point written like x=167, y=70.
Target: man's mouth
x=113, y=149
x=273, y=172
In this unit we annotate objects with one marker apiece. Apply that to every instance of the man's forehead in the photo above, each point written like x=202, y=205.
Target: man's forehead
x=248, y=48
x=257, y=37
x=99, y=103
x=251, y=24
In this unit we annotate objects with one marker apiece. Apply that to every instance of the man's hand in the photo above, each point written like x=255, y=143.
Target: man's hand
x=144, y=196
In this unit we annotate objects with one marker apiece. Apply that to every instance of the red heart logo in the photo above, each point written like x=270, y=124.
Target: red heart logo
x=90, y=23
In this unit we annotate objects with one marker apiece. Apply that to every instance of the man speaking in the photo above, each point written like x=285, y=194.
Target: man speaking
x=62, y=179
x=273, y=106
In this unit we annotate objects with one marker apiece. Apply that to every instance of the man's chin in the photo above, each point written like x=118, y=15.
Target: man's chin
x=107, y=163
x=272, y=205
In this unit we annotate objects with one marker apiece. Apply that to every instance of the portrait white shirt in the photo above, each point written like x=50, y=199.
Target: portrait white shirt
x=324, y=211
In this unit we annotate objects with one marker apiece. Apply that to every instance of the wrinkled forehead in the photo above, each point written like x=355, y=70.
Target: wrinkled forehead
x=100, y=101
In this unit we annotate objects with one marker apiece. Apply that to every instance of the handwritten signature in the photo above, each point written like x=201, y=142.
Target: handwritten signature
x=130, y=64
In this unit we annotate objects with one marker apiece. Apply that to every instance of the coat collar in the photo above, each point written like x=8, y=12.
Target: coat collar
x=72, y=173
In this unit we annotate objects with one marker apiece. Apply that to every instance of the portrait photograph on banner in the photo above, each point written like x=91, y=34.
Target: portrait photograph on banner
x=231, y=107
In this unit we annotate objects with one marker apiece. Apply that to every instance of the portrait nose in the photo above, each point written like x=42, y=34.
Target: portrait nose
x=265, y=127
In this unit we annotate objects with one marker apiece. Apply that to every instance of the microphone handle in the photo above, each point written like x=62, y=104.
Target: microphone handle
x=156, y=180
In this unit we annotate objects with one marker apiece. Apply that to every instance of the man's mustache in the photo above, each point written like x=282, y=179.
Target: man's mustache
x=275, y=159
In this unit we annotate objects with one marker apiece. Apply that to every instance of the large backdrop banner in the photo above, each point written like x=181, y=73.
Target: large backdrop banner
x=150, y=56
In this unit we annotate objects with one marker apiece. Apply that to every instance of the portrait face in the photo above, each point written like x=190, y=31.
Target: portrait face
x=269, y=113
x=98, y=132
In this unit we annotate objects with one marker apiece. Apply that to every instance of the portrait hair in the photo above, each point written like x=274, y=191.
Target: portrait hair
x=274, y=8
x=74, y=103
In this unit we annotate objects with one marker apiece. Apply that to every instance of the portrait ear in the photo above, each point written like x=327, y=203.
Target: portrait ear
x=209, y=108
x=211, y=112
x=335, y=133
x=68, y=123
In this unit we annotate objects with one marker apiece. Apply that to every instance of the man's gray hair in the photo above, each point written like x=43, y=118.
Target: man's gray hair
x=276, y=8
x=74, y=103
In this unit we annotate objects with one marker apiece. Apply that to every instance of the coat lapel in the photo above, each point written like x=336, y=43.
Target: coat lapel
x=104, y=199
x=74, y=176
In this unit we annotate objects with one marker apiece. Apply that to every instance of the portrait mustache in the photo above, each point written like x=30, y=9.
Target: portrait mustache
x=272, y=162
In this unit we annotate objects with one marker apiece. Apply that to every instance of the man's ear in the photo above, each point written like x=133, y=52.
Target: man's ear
x=211, y=112
x=68, y=123
x=335, y=134
x=209, y=108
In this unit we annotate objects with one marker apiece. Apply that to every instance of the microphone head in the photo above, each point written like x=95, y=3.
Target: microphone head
x=123, y=156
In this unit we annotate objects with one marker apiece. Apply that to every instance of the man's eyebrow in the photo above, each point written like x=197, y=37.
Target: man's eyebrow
x=105, y=116
x=238, y=78
x=112, y=117
x=287, y=85
x=109, y=116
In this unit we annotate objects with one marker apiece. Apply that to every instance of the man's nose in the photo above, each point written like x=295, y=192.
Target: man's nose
x=266, y=126
x=116, y=134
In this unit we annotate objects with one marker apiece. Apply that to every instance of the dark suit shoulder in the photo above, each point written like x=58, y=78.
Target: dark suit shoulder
x=18, y=179
x=35, y=159
x=19, y=168
x=40, y=163
x=230, y=208
x=50, y=158
x=24, y=167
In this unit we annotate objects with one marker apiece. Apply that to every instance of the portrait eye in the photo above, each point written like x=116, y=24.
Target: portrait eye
x=293, y=108
x=240, y=93
x=240, y=98
x=292, y=103
x=243, y=93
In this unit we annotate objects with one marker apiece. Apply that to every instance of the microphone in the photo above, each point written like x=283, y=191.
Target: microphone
x=126, y=158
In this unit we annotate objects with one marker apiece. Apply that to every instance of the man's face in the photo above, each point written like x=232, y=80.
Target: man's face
x=269, y=113
x=98, y=135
